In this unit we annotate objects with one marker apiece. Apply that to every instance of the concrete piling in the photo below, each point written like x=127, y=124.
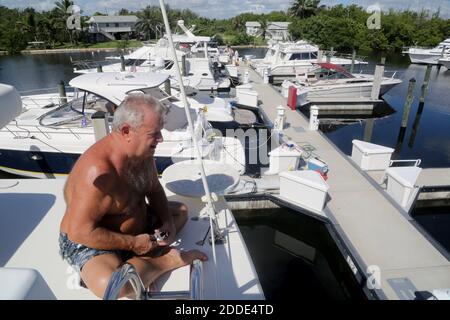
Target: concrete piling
x=167, y=87
x=122, y=63
x=408, y=102
x=426, y=81
x=62, y=92
x=183, y=65
x=353, y=61
x=378, y=75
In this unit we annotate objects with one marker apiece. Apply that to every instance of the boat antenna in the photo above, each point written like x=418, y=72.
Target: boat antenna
x=209, y=203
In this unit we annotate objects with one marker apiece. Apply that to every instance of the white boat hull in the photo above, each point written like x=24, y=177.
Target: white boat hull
x=445, y=62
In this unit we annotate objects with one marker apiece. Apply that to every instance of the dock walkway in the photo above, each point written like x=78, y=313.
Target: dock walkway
x=372, y=225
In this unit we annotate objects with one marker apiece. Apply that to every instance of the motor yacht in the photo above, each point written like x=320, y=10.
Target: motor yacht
x=428, y=55
x=333, y=83
x=287, y=59
x=46, y=141
x=32, y=269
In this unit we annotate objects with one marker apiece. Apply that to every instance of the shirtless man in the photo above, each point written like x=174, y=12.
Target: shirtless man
x=115, y=203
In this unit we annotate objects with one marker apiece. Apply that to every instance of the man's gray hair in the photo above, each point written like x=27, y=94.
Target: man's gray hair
x=131, y=110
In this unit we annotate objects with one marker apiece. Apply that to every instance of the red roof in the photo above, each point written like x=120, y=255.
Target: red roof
x=335, y=67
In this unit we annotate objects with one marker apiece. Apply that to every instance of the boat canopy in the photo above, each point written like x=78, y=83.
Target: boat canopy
x=335, y=67
x=114, y=86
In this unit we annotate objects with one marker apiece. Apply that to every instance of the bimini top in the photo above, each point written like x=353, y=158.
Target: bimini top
x=114, y=86
x=334, y=67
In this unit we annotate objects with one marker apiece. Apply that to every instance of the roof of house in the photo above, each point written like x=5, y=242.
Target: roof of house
x=252, y=24
x=278, y=25
x=112, y=19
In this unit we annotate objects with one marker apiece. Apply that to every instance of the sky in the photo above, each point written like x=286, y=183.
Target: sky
x=226, y=8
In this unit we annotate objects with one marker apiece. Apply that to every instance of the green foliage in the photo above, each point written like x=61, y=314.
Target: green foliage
x=345, y=28
x=341, y=27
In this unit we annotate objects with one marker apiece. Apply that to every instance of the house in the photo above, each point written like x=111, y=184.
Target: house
x=252, y=28
x=111, y=27
x=277, y=31
x=274, y=31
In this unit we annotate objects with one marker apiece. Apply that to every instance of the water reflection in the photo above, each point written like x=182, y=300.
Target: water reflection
x=295, y=256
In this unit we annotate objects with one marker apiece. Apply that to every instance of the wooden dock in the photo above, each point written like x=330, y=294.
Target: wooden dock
x=378, y=236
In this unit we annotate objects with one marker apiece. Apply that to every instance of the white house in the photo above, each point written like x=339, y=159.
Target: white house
x=275, y=30
x=252, y=28
x=110, y=26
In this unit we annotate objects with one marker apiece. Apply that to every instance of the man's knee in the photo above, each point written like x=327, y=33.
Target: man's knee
x=178, y=208
x=180, y=213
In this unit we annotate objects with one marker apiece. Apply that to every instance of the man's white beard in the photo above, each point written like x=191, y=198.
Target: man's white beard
x=138, y=176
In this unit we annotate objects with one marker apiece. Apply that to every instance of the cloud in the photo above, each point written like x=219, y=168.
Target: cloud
x=220, y=9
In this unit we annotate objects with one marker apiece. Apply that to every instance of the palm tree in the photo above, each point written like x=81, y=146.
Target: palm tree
x=63, y=15
x=263, y=27
x=238, y=23
x=304, y=8
x=147, y=18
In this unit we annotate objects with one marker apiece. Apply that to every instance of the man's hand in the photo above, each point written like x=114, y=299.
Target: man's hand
x=142, y=244
x=169, y=228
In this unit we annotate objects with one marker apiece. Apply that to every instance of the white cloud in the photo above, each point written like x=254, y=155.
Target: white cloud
x=227, y=8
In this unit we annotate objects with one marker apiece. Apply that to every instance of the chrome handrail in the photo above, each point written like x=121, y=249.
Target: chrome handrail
x=415, y=161
x=127, y=273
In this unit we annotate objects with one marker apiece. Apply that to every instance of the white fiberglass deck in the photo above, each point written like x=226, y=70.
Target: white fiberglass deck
x=373, y=227
x=30, y=213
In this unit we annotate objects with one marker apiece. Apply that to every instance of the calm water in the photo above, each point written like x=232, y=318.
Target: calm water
x=295, y=257
x=430, y=141
x=31, y=72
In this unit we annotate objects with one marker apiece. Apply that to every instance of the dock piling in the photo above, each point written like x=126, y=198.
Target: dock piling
x=426, y=81
x=319, y=56
x=167, y=87
x=404, y=124
x=379, y=71
x=122, y=63
x=408, y=102
x=100, y=124
x=183, y=65
x=368, y=130
x=62, y=92
x=353, y=61
x=415, y=126
x=313, y=118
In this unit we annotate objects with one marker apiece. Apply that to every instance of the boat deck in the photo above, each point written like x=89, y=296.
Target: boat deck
x=371, y=224
x=31, y=211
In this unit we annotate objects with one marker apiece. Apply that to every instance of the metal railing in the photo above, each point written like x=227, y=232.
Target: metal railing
x=127, y=273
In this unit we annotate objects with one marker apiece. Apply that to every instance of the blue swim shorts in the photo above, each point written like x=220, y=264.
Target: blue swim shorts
x=77, y=254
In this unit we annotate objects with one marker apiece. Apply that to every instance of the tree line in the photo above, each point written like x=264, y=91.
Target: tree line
x=341, y=27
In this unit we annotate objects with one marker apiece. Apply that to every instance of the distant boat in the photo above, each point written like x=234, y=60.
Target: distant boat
x=445, y=61
x=287, y=59
x=46, y=141
x=332, y=83
x=428, y=55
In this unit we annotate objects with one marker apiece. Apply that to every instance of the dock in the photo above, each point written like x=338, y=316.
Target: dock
x=390, y=252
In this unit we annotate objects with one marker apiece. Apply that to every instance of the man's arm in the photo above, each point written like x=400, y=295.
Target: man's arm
x=157, y=198
x=88, y=205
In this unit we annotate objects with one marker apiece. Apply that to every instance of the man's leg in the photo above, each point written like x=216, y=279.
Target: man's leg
x=151, y=268
x=179, y=213
x=97, y=272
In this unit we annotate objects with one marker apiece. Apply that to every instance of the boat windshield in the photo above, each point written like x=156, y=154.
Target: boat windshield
x=323, y=73
x=77, y=112
x=302, y=56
